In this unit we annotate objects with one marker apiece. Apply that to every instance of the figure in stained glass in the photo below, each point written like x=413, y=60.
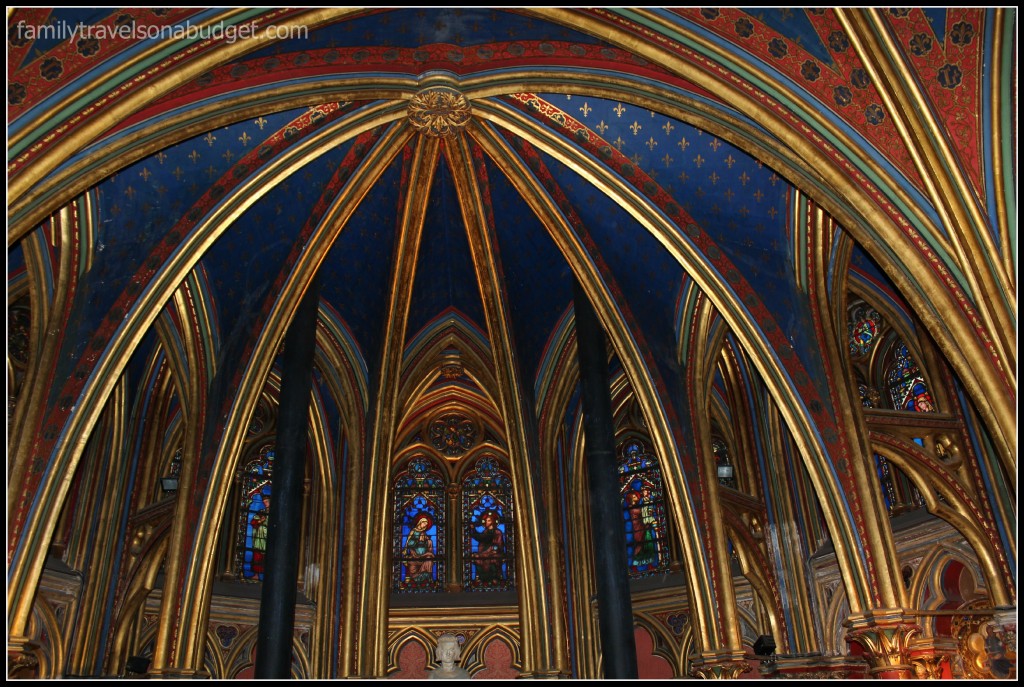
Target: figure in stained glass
x=419, y=523
x=419, y=551
x=907, y=387
x=255, y=509
x=259, y=535
x=489, y=554
x=642, y=510
x=488, y=539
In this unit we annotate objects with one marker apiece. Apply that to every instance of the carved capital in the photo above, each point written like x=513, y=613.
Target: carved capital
x=720, y=667
x=886, y=645
x=22, y=662
x=928, y=667
x=439, y=111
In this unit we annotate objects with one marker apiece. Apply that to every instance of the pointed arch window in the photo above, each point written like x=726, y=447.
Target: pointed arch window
x=251, y=532
x=453, y=532
x=643, y=509
x=907, y=388
x=489, y=537
x=419, y=528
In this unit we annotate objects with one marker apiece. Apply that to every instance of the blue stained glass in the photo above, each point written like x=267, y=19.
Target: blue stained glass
x=256, y=498
x=489, y=542
x=862, y=336
x=907, y=387
x=419, y=560
x=643, y=510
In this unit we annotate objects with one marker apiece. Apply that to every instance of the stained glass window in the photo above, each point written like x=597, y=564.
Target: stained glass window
x=489, y=541
x=251, y=545
x=643, y=510
x=419, y=528
x=906, y=384
x=453, y=434
x=863, y=327
x=868, y=397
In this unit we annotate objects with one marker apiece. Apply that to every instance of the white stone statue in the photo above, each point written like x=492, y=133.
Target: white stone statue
x=447, y=653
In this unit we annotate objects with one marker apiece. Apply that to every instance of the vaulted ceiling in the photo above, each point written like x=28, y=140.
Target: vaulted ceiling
x=649, y=153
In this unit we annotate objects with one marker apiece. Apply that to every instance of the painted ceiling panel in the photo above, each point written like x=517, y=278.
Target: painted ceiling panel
x=246, y=258
x=356, y=275
x=445, y=277
x=538, y=280
x=642, y=268
x=416, y=27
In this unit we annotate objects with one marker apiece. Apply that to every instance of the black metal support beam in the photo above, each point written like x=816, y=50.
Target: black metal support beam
x=614, y=605
x=284, y=521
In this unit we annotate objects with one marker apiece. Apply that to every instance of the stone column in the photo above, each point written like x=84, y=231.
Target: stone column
x=284, y=521
x=614, y=604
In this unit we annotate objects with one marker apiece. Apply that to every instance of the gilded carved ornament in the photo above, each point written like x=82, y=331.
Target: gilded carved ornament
x=721, y=670
x=886, y=647
x=439, y=111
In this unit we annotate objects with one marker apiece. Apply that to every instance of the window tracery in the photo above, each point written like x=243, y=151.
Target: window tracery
x=476, y=512
x=887, y=376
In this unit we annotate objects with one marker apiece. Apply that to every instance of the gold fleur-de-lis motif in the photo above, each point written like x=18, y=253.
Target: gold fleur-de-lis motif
x=758, y=196
x=145, y=173
x=715, y=143
x=245, y=138
x=194, y=156
x=161, y=156
x=683, y=144
x=586, y=109
x=744, y=211
x=209, y=138
x=684, y=177
x=178, y=173
x=635, y=127
x=699, y=160
x=730, y=161
x=261, y=122
x=619, y=109
x=744, y=178
x=130, y=192
x=729, y=193
x=667, y=160
x=772, y=212
x=635, y=159
x=651, y=143
x=601, y=128
x=774, y=178
x=210, y=172
x=618, y=142
x=713, y=178
x=228, y=156
x=667, y=128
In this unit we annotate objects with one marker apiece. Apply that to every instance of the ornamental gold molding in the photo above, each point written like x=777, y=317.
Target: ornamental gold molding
x=439, y=111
